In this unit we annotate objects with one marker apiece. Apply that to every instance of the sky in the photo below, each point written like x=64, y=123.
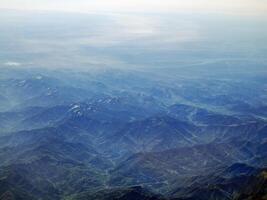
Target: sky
x=235, y=7
x=131, y=32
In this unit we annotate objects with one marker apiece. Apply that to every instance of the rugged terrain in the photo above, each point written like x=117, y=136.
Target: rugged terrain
x=102, y=135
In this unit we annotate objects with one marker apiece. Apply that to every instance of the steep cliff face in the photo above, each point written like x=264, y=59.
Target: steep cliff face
x=256, y=189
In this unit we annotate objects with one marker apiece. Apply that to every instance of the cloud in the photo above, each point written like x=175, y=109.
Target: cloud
x=12, y=64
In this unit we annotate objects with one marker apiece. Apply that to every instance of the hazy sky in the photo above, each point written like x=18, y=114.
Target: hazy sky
x=136, y=33
x=238, y=7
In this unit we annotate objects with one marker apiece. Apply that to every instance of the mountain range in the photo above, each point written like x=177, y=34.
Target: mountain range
x=128, y=135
